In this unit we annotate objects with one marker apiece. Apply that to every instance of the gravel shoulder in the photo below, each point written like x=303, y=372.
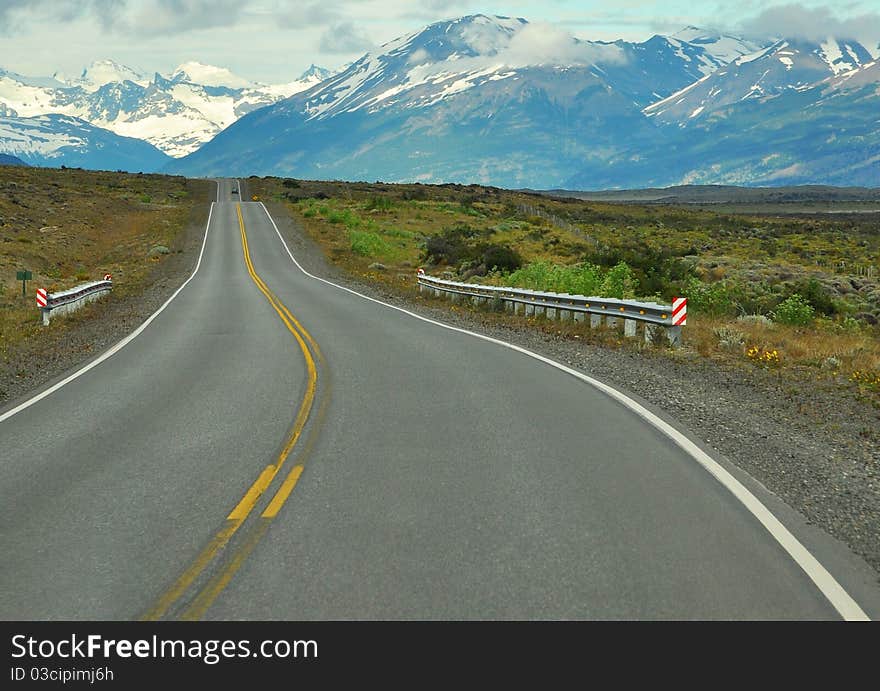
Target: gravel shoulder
x=814, y=447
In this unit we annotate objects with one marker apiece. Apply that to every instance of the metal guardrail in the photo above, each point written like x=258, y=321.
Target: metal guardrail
x=562, y=306
x=70, y=300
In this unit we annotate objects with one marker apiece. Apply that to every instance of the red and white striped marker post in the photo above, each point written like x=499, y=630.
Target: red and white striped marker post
x=42, y=303
x=679, y=311
x=679, y=319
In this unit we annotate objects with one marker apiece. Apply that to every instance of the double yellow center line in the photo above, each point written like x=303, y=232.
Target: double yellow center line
x=245, y=506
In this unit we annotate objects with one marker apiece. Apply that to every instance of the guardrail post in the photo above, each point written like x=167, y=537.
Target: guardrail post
x=595, y=321
x=551, y=313
x=530, y=309
x=611, y=322
x=519, y=308
x=629, y=328
x=580, y=316
x=649, y=332
x=673, y=333
x=46, y=311
x=539, y=310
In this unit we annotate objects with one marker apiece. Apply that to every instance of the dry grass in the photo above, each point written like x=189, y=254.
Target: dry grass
x=827, y=351
x=71, y=226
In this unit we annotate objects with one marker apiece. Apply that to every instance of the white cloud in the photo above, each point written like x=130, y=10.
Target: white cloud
x=540, y=43
x=796, y=21
x=344, y=38
x=536, y=43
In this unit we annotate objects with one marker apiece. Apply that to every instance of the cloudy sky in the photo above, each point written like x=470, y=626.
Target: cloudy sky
x=275, y=40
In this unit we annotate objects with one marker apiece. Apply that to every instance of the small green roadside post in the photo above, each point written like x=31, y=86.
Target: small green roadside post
x=24, y=277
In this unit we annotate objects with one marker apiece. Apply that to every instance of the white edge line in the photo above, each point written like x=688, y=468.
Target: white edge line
x=121, y=344
x=848, y=609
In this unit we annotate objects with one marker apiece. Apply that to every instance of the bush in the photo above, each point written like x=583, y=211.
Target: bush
x=501, y=258
x=367, y=244
x=441, y=248
x=817, y=296
x=619, y=282
x=655, y=270
x=582, y=279
x=378, y=203
x=334, y=216
x=794, y=310
x=713, y=299
x=451, y=245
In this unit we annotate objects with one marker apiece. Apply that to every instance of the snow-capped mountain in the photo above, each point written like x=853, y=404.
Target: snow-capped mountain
x=496, y=100
x=823, y=133
x=786, y=64
x=477, y=98
x=650, y=71
x=177, y=113
x=208, y=75
x=56, y=140
x=720, y=49
x=101, y=72
x=500, y=101
x=525, y=97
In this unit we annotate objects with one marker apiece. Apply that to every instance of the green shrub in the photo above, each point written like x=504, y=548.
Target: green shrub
x=581, y=279
x=500, y=257
x=379, y=203
x=714, y=299
x=451, y=245
x=619, y=282
x=335, y=216
x=794, y=310
x=656, y=270
x=367, y=244
x=819, y=297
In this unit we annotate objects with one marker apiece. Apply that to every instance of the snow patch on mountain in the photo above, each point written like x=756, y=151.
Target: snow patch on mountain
x=36, y=136
x=791, y=64
x=62, y=140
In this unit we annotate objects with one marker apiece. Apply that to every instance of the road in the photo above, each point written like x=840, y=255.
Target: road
x=273, y=447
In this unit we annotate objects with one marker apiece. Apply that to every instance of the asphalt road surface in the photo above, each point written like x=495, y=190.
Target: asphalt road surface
x=273, y=447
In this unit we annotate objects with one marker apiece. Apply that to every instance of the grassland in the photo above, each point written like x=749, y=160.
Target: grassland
x=798, y=294
x=70, y=226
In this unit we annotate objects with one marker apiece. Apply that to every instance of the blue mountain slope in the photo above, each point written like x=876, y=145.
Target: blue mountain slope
x=498, y=101
x=56, y=140
x=828, y=133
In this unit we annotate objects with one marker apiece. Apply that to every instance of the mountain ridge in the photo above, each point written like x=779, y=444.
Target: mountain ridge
x=465, y=101
x=175, y=113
